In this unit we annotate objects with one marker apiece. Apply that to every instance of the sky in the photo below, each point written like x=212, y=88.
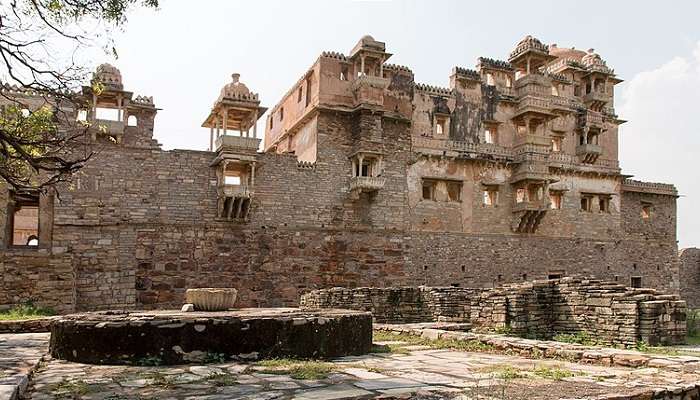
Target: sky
x=183, y=53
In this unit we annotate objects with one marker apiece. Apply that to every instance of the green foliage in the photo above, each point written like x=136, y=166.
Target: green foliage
x=463, y=345
x=504, y=371
x=504, y=330
x=149, y=361
x=389, y=348
x=25, y=311
x=581, y=337
x=556, y=374
x=692, y=322
x=214, y=358
x=68, y=389
x=297, y=369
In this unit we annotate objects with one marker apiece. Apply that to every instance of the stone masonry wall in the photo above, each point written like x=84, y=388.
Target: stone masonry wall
x=138, y=225
x=397, y=304
x=690, y=276
x=609, y=312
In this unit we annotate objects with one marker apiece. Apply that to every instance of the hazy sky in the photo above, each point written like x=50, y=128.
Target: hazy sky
x=185, y=52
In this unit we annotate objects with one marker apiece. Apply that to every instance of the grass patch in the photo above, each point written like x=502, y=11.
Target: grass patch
x=504, y=371
x=389, y=348
x=70, y=389
x=160, y=380
x=297, y=369
x=452, y=344
x=556, y=373
x=24, y=312
x=582, y=337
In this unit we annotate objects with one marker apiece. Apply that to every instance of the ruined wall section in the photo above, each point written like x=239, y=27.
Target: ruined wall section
x=690, y=276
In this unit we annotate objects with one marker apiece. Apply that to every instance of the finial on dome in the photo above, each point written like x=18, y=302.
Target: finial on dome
x=591, y=50
x=235, y=77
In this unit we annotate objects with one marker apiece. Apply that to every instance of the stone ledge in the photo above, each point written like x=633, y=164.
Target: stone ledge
x=175, y=337
x=551, y=349
x=37, y=325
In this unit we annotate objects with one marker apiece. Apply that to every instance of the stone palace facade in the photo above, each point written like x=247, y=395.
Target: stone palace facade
x=367, y=178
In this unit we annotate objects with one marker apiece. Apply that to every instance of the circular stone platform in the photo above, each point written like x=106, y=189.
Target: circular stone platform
x=174, y=337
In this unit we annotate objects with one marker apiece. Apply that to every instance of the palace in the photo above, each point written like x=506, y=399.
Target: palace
x=366, y=178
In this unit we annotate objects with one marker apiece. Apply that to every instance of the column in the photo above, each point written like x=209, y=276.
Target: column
x=381, y=67
x=362, y=64
x=225, y=121
x=527, y=68
x=119, y=109
x=211, y=138
x=359, y=170
x=218, y=132
x=252, y=174
x=592, y=84
x=255, y=123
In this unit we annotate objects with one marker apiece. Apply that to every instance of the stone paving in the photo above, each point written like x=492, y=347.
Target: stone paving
x=410, y=370
x=19, y=355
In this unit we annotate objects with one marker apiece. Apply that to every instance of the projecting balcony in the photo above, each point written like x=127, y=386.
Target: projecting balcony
x=366, y=183
x=591, y=119
x=595, y=99
x=535, y=205
x=109, y=126
x=234, y=191
x=239, y=143
x=588, y=153
x=534, y=105
x=369, y=89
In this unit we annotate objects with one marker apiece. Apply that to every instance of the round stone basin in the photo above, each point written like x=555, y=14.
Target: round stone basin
x=211, y=299
x=175, y=337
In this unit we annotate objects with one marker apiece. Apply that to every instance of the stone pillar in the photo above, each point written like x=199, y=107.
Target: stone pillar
x=225, y=121
x=255, y=124
x=211, y=138
x=362, y=64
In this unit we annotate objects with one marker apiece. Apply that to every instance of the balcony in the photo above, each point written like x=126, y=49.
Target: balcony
x=535, y=205
x=234, y=191
x=591, y=119
x=369, y=89
x=534, y=105
x=595, y=99
x=560, y=103
x=109, y=126
x=588, y=153
x=366, y=183
x=530, y=139
x=237, y=143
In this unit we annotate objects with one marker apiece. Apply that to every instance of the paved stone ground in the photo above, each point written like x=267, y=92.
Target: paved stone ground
x=19, y=354
x=450, y=374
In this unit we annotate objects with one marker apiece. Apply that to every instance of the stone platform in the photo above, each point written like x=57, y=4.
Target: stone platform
x=174, y=337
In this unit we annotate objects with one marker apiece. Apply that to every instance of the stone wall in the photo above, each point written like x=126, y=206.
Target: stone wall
x=690, y=276
x=397, y=304
x=607, y=311
x=138, y=225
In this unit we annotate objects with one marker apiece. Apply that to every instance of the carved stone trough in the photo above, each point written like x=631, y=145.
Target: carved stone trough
x=211, y=299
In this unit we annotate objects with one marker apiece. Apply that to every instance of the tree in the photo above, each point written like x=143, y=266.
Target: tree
x=42, y=43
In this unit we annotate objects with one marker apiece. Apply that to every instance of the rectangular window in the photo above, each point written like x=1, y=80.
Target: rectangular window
x=491, y=135
x=428, y=189
x=232, y=180
x=299, y=93
x=490, y=195
x=636, y=281
x=440, y=125
x=308, y=92
x=366, y=168
x=604, y=204
x=107, y=114
x=25, y=219
x=281, y=113
x=454, y=191
x=344, y=73
x=555, y=200
x=271, y=121
x=556, y=144
x=520, y=195
x=586, y=203
x=647, y=209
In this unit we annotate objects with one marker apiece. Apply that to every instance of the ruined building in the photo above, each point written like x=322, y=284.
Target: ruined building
x=367, y=178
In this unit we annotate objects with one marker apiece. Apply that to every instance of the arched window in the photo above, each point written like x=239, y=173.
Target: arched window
x=132, y=121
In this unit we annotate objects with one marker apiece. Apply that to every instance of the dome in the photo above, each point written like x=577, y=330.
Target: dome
x=527, y=44
x=109, y=75
x=236, y=89
x=368, y=38
x=570, y=53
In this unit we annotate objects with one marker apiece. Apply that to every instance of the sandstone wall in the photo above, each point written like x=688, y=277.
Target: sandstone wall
x=607, y=311
x=397, y=304
x=690, y=276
